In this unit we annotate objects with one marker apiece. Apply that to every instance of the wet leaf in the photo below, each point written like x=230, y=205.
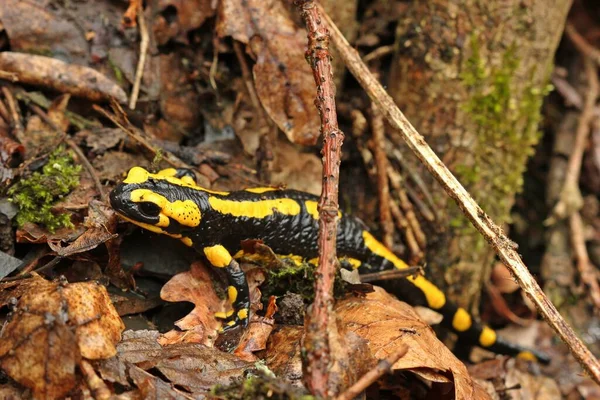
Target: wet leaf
x=386, y=323
x=53, y=326
x=283, y=79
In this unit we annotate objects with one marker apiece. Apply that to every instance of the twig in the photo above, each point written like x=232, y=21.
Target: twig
x=416, y=252
x=406, y=205
x=587, y=272
x=570, y=197
x=391, y=274
x=383, y=186
x=139, y=72
x=168, y=156
x=582, y=45
x=320, y=320
x=13, y=107
x=383, y=366
x=82, y=158
x=505, y=249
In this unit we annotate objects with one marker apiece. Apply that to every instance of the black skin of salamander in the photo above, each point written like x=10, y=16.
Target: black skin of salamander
x=284, y=234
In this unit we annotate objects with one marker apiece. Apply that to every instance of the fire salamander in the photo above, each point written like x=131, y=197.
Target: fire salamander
x=215, y=223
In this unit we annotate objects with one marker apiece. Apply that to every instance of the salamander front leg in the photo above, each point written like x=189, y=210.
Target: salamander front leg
x=237, y=290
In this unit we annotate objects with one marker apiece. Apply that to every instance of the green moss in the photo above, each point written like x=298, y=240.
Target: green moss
x=506, y=127
x=36, y=195
x=260, y=387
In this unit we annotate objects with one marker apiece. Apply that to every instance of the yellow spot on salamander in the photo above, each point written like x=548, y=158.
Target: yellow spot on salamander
x=527, y=356
x=137, y=175
x=259, y=190
x=167, y=172
x=461, y=320
x=243, y=313
x=255, y=209
x=187, y=241
x=151, y=228
x=224, y=315
x=312, y=207
x=434, y=296
x=185, y=212
x=189, y=180
x=232, y=294
x=487, y=337
x=218, y=256
x=355, y=263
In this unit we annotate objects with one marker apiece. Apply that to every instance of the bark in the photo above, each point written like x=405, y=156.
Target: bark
x=471, y=77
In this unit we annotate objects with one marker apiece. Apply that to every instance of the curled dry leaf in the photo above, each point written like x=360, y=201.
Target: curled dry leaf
x=65, y=78
x=255, y=337
x=283, y=79
x=386, y=323
x=200, y=325
x=53, y=326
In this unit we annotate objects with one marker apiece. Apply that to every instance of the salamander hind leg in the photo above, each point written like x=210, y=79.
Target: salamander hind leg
x=237, y=291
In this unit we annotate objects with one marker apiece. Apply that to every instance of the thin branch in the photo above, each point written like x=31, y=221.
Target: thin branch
x=383, y=366
x=383, y=186
x=320, y=319
x=589, y=275
x=505, y=249
x=582, y=45
x=139, y=72
x=570, y=197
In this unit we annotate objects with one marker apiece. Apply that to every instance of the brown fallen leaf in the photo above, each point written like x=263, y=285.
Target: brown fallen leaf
x=284, y=353
x=53, y=326
x=386, y=323
x=200, y=325
x=49, y=72
x=283, y=79
x=191, y=366
x=33, y=27
x=186, y=15
x=255, y=337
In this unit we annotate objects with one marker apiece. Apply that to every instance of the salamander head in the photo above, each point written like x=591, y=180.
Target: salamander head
x=165, y=202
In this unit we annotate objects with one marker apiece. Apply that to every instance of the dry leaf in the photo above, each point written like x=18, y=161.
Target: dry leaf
x=77, y=80
x=255, y=337
x=284, y=353
x=185, y=15
x=53, y=326
x=386, y=323
x=188, y=365
x=200, y=325
x=283, y=80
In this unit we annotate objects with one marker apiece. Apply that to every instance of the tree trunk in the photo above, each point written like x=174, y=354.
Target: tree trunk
x=471, y=76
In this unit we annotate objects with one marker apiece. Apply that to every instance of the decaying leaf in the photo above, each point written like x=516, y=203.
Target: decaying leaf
x=284, y=353
x=192, y=366
x=35, y=28
x=386, y=323
x=77, y=80
x=255, y=337
x=200, y=325
x=53, y=326
x=283, y=79
x=175, y=18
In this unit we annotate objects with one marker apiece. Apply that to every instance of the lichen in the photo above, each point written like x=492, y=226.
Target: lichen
x=505, y=122
x=36, y=195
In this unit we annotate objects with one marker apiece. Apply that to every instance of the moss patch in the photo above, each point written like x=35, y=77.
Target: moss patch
x=506, y=127
x=35, y=196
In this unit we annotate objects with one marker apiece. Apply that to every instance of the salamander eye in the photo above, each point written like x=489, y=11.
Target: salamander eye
x=149, y=208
